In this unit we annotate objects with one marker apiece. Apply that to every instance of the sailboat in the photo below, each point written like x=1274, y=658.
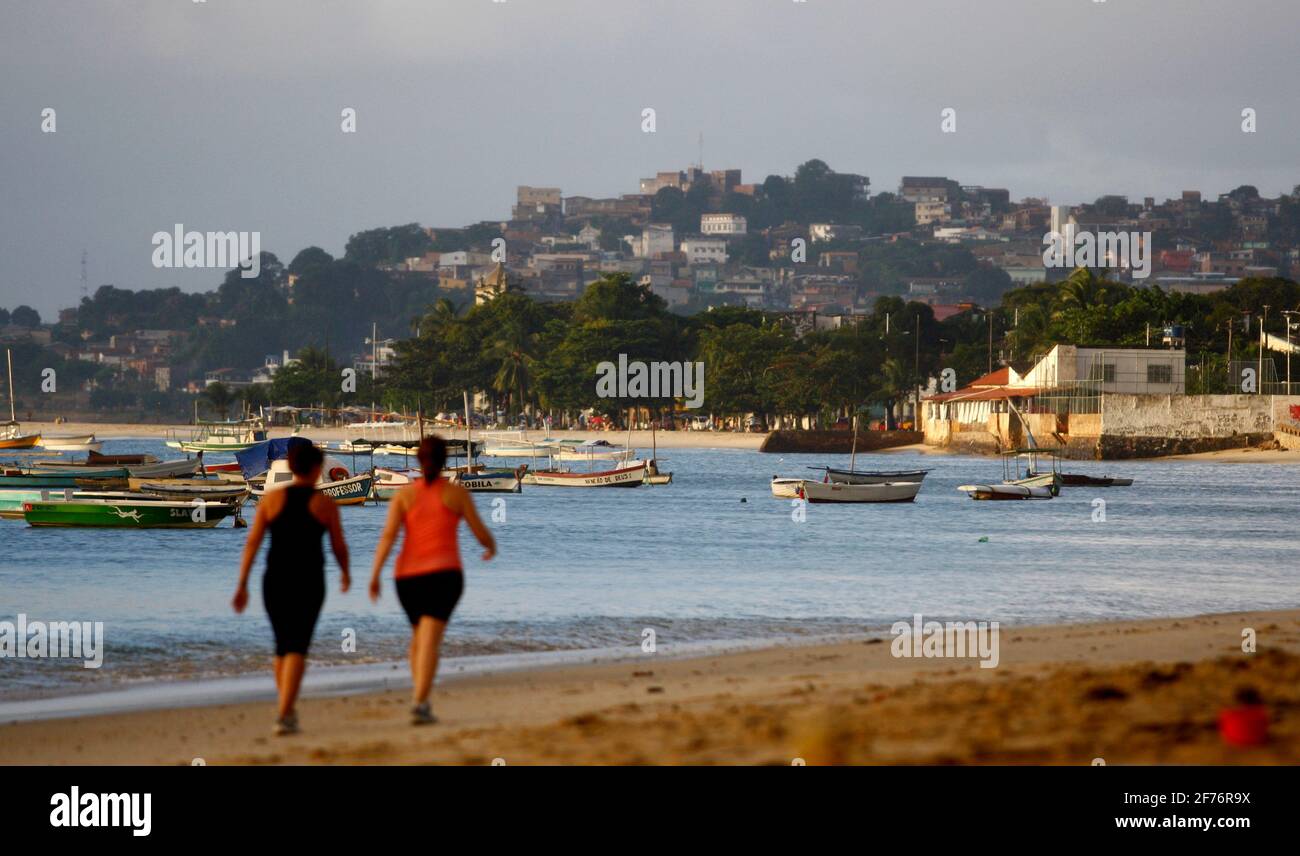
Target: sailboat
x=854, y=476
x=481, y=479
x=11, y=436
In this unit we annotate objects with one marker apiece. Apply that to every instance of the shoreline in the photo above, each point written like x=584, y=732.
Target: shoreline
x=642, y=440
x=1134, y=691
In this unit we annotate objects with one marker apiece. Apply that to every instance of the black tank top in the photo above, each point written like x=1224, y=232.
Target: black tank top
x=296, y=552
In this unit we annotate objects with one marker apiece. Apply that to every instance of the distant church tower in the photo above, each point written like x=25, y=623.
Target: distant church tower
x=490, y=285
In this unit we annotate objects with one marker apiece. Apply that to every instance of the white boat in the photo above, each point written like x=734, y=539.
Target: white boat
x=1006, y=491
x=335, y=482
x=591, y=450
x=632, y=475
x=70, y=443
x=491, y=480
x=786, y=488
x=815, y=491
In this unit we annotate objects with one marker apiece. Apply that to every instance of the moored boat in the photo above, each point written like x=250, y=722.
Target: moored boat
x=11, y=437
x=127, y=514
x=815, y=491
x=1006, y=491
x=872, y=476
x=786, y=488
x=1082, y=480
x=629, y=476
x=232, y=436
x=335, y=482
x=70, y=443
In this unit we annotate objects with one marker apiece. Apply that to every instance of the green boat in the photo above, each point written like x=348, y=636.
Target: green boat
x=134, y=514
x=107, y=478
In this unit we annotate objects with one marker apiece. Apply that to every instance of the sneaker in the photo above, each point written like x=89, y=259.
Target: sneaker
x=422, y=714
x=286, y=725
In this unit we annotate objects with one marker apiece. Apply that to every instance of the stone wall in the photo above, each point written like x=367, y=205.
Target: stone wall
x=1186, y=417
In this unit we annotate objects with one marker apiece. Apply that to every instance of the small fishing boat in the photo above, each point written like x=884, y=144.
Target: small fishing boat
x=786, y=488
x=188, y=491
x=104, y=478
x=11, y=437
x=1082, y=480
x=591, y=450
x=70, y=443
x=851, y=476
x=127, y=514
x=632, y=475
x=335, y=482
x=652, y=473
x=232, y=436
x=99, y=460
x=1006, y=491
x=815, y=491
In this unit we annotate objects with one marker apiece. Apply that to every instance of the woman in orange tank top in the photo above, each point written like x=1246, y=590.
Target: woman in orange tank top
x=429, y=576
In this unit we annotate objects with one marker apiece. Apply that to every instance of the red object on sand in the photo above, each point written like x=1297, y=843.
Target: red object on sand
x=1246, y=725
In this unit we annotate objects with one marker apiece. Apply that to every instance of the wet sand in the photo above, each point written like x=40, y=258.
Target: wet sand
x=1131, y=692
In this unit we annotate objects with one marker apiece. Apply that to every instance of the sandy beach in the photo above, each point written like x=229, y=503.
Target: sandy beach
x=1131, y=692
x=640, y=439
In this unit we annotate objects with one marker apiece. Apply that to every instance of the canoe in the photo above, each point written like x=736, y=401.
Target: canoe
x=1006, y=491
x=1081, y=480
x=873, y=476
x=216, y=492
x=71, y=443
x=127, y=514
x=631, y=476
x=178, y=469
x=815, y=491
x=104, y=479
x=785, y=488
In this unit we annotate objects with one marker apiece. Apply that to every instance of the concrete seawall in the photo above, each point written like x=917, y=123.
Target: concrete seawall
x=837, y=442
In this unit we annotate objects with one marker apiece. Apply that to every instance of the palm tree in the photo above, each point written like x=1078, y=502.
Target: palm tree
x=515, y=353
x=218, y=396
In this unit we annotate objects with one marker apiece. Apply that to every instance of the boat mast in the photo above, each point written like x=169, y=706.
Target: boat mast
x=853, y=454
x=469, y=443
x=9, y=357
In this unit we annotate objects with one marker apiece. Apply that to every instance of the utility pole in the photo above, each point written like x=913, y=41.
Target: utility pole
x=1290, y=325
x=1259, y=379
x=990, y=341
x=916, y=376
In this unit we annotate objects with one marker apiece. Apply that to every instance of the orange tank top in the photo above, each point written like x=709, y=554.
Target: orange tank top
x=430, y=541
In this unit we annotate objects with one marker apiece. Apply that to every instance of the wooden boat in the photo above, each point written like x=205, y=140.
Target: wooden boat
x=127, y=514
x=99, y=460
x=629, y=476
x=591, y=450
x=1034, y=473
x=652, y=474
x=233, y=436
x=178, y=469
x=850, y=476
x=786, y=488
x=1081, y=480
x=188, y=491
x=70, y=443
x=344, y=489
x=815, y=491
x=105, y=478
x=11, y=437
x=1006, y=491
x=492, y=480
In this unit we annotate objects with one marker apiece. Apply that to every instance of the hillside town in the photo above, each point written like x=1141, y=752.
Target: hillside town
x=815, y=251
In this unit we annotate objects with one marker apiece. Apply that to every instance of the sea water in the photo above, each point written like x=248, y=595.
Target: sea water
x=711, y=558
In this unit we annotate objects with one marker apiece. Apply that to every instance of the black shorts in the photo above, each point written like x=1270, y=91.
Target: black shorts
x=293, y=609
x=435, y=594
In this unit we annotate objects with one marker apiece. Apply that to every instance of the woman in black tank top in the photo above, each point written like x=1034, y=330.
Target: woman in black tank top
x=293, y=587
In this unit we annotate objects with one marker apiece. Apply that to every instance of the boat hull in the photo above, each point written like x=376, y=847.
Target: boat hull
x=624, y=477
x=999, y=492
x=786, y=488
x=875, y=477
x=814, y=491
x=29, y=441
x=104, y=514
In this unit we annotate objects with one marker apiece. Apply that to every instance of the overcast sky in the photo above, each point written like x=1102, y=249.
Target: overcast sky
x=225, y=115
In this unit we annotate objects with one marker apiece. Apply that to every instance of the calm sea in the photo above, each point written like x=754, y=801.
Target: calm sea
x=711, y=557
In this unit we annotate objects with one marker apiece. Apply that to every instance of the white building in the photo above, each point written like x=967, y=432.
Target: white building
x=656, y=238
x=700, y=250
x=723, y=224
x=1134, y=371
